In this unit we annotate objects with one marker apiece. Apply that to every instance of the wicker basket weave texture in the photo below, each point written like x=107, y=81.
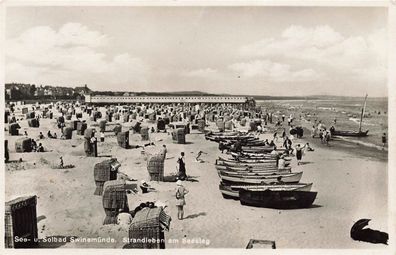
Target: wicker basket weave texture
x=114, y=195
x=68, y=132
x=23, y=145
x=147, y=225
x=123, y=139
x=21, y=220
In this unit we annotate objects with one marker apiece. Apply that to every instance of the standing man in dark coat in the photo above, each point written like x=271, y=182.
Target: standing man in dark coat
x=182, y=167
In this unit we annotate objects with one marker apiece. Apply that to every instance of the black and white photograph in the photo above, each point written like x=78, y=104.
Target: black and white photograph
x=185, y=125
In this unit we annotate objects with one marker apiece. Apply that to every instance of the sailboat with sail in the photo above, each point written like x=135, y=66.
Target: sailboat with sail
x=359, y=133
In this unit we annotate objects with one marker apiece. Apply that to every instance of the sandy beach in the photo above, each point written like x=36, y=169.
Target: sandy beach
x=351, y=185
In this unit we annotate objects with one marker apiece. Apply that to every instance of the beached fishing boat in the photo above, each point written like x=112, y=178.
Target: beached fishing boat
x=259, y=149
x=359, y=133
x=277, y=199
x=252, y=156
x=253, y=173
x=236, y=163
x=243, y=161
x=268, y=179
x=232, y=191
x=245, y=168
x=350, y=133
x=230, y=139
x=250, y=161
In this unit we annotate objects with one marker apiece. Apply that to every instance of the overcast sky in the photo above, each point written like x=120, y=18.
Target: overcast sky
x=244, y=50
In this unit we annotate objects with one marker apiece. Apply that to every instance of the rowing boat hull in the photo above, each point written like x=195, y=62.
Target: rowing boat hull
x=253, y=173
x=277, y=199
x=350, y=133
x=232, y=191
x=270, y=179
x=257, y=149
x=250, y=169
x=242, y=164
x=250, y=161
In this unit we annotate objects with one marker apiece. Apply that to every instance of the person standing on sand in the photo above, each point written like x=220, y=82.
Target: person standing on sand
x=313, y=131
x=284, y=134
x=281, y=162
x=383, y=141
x=163, y=151
x=287, y=144
x=182, y=167
x=299, y=153
x=326, y=137
x=275, y=137
x=61, y=162
x=181, y=192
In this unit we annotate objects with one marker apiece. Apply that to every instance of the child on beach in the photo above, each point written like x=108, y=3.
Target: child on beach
x=181, y=192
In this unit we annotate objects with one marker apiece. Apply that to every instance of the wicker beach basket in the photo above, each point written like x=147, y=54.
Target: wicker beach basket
x=102, y=125
x=114, y=198
x=123, y=139
x=21, y=221
x=105, y=171
x=117, y=129
x=179, y=136
x=161, y=126
x=30, y=115
x=33, y=123
x=81, y=127
x=144, y=132
x=13, y=128
x=149, y=224
x=155, y=167
x=23, y=145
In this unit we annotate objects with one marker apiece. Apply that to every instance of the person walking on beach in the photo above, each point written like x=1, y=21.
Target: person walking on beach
x=181, y=167
x=299, y=153
x=383, y=141
x=284, y=134
x=275, y=137
x=313, y=131
x=61, y=162
x=287, y=144
x=326, y=137
x=181, y=192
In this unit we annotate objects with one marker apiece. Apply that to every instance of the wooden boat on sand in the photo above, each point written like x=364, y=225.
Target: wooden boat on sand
x=277, y=199
x=265, y=179
x=232, y=191
x=249, y=168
